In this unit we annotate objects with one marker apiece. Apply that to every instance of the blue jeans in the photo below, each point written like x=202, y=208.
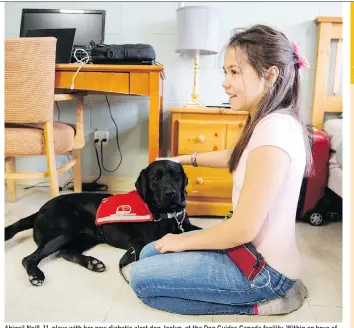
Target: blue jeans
x=201, y=282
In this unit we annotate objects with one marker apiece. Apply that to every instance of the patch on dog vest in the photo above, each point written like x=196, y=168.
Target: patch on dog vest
x=128, y=207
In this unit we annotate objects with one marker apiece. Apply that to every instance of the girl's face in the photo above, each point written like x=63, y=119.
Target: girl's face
x=242, y=84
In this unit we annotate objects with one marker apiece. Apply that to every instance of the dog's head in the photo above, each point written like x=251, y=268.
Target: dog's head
x=162, y=185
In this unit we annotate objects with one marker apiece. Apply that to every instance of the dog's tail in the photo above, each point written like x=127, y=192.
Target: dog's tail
x=21, y=225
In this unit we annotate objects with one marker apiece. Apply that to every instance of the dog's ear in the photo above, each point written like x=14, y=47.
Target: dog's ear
x=141, y=184
x=185, y=183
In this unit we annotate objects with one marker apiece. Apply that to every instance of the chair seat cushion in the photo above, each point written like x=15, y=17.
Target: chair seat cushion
x=28, y=139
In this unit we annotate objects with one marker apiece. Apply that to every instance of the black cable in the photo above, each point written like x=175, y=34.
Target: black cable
x=37, y=185
x=56, y=103
x=117, y=132
x=94, y=186
x=98, y=162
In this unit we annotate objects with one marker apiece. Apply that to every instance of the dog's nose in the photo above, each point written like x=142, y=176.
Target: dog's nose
x=170, y=194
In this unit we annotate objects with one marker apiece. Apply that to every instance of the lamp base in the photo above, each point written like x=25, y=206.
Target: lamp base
x=192, y=104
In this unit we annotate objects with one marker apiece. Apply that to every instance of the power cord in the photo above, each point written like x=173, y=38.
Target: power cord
x=90, y=186
x=98, y=163
x=37, y=185
x=56, y=103
x=162, y=72
x=94, y=186
x=117, y=139
x=84, y=59
x=157, y=63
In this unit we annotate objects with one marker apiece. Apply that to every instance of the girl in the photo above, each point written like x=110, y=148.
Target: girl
x=192, y=273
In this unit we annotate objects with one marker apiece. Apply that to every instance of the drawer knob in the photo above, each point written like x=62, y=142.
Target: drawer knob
x=240, y=125
x=200, y=181
x=201, y=139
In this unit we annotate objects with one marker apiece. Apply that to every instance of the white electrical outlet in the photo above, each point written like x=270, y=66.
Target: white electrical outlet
x=100, y=135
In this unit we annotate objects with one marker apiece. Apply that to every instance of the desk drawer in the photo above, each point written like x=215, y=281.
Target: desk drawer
x=200, y=136
x=208, y=182
x=95, y=81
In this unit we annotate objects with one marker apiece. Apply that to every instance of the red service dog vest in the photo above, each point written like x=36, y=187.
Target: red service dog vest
x=128, y=207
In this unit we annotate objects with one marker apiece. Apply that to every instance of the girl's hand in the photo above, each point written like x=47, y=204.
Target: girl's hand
x=171, y=243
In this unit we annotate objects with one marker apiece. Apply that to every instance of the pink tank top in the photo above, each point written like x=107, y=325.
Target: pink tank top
x=276, y=240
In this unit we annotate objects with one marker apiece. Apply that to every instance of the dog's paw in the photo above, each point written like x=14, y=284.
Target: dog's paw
x=36, y=277
x=95, y=265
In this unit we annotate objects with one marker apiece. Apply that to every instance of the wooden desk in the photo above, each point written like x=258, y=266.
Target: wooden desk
x=140, y=80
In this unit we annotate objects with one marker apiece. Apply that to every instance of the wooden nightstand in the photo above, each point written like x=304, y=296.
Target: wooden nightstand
x=205, y=130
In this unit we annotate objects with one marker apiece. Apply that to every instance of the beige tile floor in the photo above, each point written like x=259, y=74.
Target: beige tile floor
x=74, y=294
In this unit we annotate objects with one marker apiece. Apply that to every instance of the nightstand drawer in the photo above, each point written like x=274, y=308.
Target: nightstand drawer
x=200, y=136
x=208, y=182
x=206, y=130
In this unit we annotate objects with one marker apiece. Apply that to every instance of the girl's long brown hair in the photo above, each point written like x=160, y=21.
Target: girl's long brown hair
x=265, y=47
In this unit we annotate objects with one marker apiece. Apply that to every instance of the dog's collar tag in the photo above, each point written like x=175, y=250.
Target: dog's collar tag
x=180, y=223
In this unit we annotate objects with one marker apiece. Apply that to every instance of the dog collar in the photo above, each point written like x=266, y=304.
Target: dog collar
x=178, y=216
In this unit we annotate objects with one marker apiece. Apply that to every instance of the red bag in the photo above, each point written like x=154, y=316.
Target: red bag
x=313, y=188
x=248, y=260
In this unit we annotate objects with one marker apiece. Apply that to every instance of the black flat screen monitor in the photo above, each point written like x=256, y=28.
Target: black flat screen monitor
x=65, y=41
x=89, y=24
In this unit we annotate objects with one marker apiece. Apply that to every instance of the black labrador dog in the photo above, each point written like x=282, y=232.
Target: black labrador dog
x=67, y=223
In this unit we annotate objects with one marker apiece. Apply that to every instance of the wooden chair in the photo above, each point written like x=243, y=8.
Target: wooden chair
x=30, y=129
x=325, y=100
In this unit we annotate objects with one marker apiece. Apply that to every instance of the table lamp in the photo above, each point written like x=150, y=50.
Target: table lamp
x=197, y=35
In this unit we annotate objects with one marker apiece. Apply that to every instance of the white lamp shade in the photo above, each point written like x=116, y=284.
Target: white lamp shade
x=197, y=30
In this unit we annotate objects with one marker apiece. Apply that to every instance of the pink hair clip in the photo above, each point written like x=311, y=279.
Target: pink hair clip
x=302, y=62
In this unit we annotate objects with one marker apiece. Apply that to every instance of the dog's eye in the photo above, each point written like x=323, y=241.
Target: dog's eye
x=174, y=174
x=155, y=178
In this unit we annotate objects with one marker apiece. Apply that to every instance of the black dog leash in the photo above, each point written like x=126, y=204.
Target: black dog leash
x=132, y=251
x=130, y=256
x=125, y=260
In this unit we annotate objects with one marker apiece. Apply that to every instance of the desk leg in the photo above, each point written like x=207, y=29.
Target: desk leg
x=155, y=116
